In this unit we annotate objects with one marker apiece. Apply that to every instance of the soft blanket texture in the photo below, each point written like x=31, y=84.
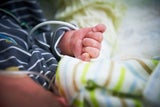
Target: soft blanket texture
x=106, y=83
x=127, y=72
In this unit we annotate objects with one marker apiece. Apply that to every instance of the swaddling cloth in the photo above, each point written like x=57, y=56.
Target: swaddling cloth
x=103, y=83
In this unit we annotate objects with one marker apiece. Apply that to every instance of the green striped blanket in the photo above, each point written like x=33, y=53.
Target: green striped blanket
x=105, y=83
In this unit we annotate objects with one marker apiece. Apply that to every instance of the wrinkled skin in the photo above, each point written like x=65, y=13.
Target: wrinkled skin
x=84, y=43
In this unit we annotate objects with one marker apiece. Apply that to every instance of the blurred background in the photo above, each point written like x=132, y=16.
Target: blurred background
x=132, y=26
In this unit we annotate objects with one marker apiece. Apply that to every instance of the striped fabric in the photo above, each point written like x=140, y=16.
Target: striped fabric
x=152, y=90
x=104, y=83
x=18, y=50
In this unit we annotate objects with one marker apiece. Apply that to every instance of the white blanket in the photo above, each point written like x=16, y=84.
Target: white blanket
x=128, y=60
